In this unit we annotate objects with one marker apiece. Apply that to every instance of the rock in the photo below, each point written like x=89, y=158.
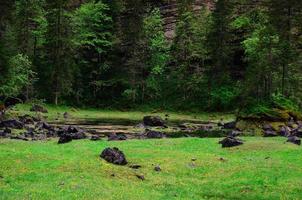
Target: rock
x=114, y=156
x=153, y=121
x=157, y=168
x=95, y=138
x=78, y=136
x=294, y=140
x=66, y=115
x=230, y=125
x=270, y=133
x=37, y=137
x=154, y=134
x=44, y=125
x=117, y=137
x=65, y=138
x=26, y=119
x=38, y=108
x=141, y=177
x=267, y=127
x=19, y=137
x=13, y=123
x=284, y=131
x=135, y=166
x=296, y=132
x=3, y=133
x=73, y=129
x=234, y=133
x=230, y=142
x=140, y=125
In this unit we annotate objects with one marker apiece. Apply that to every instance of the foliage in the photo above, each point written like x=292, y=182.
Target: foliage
x=157, y=48
x=19, y=76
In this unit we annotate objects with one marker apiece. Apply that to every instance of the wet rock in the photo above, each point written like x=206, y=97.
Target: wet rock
x=294, y=140
x=270, y=133
x=157, y=168
x=153, y=121
x=230, y=125
x=114, y=156
x=154, y=134
x=230, y=142
x=117, y=137
x=12, y=123
x=38, y=108
x=65, y=138
x=95, y=138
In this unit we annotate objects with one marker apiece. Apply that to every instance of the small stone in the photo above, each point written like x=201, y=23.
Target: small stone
x=135, y=166
x=157, y=168
x=141, y=177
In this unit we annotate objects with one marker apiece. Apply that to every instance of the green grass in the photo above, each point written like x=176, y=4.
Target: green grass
x=263, y=168
x=114, y=115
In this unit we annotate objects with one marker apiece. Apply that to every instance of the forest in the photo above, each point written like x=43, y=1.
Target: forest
x=210, y=56
x=150, y=99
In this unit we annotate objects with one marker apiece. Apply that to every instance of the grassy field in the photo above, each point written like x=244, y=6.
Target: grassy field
x=56, y=112
x=263, y=168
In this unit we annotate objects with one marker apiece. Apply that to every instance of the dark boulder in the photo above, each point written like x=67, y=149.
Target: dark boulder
x=294, y=140
x=117, y=137
x=65, y=138
x=95, y=138
x=74, y=129
x=230, y=142
x=38, y=108
x=296, y=132
x=12, y=123
x=269, y=133
x=78, y=136
x=284, y=131
x=154, y=134
x=114, y=156
x=153, y=121
x=230, y=125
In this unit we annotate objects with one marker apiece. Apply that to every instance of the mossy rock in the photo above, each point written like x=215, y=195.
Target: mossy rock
x=276, y=125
